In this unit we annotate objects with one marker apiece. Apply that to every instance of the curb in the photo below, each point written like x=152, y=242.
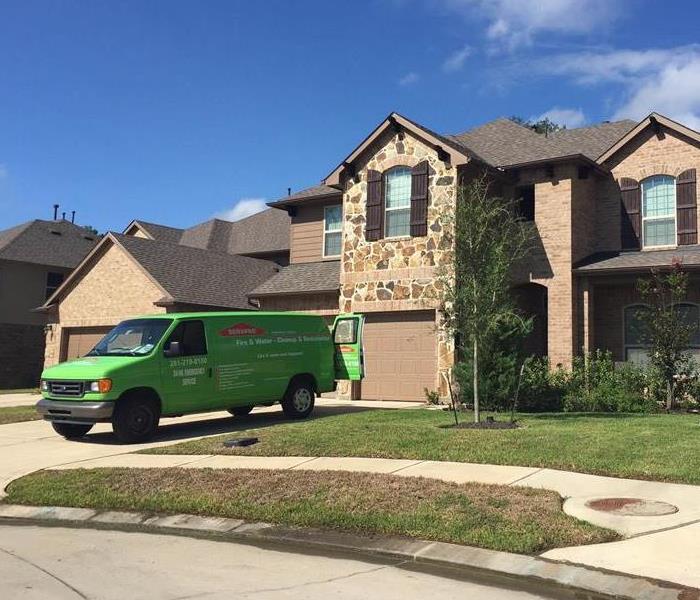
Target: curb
x=508, y=569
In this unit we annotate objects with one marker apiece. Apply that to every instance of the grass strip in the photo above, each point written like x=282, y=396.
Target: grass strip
x=17, y=414
x=522, y=520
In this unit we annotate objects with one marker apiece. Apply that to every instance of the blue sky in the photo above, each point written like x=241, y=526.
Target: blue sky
x=174, y=111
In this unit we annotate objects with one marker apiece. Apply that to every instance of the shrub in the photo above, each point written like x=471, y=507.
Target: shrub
x=541, y=389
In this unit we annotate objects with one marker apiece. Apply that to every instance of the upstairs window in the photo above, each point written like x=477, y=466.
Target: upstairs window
x=53, y=281
x=332, y=230
x=525, y=207
x=397, y=202
x=659, y=211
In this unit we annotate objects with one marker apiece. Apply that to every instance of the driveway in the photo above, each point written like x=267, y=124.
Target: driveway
x=20, y=399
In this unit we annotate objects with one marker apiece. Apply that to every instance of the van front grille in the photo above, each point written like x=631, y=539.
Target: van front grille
x=72, y=389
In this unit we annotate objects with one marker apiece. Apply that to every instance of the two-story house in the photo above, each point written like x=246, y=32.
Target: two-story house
x=609, y=202
x=35, y=257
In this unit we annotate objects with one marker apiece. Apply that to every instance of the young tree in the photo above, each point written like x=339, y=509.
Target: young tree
x=544, y=126
x=665, y=328
x=489, y=238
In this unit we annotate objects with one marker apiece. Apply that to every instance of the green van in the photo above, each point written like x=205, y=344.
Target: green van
x=176, y=364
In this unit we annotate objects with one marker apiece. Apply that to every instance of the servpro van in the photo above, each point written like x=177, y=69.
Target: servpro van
x=176, y=364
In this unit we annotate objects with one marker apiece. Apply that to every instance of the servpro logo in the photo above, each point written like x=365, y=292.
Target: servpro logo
x=240, y=330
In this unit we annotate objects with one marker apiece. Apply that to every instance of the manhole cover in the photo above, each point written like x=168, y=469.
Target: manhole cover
x=632, y=507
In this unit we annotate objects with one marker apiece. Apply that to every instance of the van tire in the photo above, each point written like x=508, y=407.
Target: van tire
x=241, y=411
x=299, y=399
x=71, y=431
x=135, y=419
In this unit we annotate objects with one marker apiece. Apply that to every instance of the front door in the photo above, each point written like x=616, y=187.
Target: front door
x=186, y=375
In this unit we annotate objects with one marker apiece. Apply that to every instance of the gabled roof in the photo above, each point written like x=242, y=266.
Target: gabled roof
x=653, y=120
x=302, y=278
x=265, y=232
x=51, y=243
x=635, y=261
x=186, y=275
x=317, y=192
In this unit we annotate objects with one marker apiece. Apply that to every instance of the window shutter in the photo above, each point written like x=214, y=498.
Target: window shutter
x=687, y=208
x=375, y=206
x=630, y=218
x=419, y=199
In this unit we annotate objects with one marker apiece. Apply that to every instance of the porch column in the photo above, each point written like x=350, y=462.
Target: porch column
x=587, y=341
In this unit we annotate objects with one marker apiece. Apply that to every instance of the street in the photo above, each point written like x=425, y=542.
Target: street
x=59, y=563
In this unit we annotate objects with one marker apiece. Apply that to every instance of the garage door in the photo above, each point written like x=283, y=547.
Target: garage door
x=400, y=355
x=80, y=340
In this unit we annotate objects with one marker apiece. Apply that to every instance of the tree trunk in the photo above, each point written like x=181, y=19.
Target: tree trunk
x=477, y=416
x=669, y=395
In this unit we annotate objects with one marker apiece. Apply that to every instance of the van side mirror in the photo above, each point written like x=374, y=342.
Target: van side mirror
x=173, y=349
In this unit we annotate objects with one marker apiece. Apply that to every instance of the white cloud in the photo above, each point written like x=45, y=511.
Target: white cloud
x=455, y=61
x=662, y=80
x=513, y=23
x=570, y=117
x=409, y=78
x=242, y=209
x=3, y=171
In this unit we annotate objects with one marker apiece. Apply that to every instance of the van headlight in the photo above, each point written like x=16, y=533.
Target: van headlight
x=100, y=386
x=44, y=385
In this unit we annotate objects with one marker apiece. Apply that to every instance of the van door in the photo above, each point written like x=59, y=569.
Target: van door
x=349, y=359
x=186, y=375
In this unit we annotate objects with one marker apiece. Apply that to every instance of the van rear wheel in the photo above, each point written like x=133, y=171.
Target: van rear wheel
x=299, y=400
x=71, y=431
x=135, y=419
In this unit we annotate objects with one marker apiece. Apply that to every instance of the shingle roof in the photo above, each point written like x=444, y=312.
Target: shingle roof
x=51, y=243
x=504, y=143
x=302, y=278
x=689, y=256
x=196, y=276
x=161, y=232
x=315, y=192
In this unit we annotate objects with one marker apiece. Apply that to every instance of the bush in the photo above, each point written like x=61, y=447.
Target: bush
x=541, y=389
x=497, y=380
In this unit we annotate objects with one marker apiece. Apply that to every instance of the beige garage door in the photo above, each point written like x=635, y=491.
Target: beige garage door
x=400, y=355
x=79, y=341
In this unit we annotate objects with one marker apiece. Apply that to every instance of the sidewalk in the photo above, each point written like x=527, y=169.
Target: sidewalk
x=21, y=399
x=663, y=547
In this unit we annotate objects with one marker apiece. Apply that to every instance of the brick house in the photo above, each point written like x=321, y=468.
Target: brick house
x=609, y=202
x=153, y=268
x=35, y=257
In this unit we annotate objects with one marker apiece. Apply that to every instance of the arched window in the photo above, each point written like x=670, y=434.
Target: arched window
x=659, y=211
x=397, y=202
x=635, y=335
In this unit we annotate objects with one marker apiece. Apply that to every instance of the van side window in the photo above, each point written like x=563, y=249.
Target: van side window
x=191, y=336
x=346, y=331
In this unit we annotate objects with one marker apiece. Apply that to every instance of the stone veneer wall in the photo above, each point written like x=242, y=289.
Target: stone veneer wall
x=398, y=274
x=112, y=289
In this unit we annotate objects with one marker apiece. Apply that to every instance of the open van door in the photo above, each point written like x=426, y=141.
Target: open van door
x=349, y=354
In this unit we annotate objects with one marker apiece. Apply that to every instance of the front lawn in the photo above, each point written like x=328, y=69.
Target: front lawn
x=657, y=447
x=489, y=516
x=17, y=414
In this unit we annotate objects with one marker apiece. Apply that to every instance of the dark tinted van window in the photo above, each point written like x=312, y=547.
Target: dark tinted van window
x=191, y=336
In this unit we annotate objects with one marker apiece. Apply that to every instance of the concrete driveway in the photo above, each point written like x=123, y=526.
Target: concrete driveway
x=20, y=399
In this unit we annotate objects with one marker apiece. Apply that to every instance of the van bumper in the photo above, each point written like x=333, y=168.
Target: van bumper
x=75, y=412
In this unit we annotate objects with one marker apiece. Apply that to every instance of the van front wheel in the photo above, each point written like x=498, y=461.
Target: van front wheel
x=71, y=431
x=299, y=400
x=135, y=419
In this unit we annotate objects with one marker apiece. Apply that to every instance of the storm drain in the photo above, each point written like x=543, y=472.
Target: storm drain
x=632, y=507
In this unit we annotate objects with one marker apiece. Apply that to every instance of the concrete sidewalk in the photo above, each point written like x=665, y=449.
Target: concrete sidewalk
x=19, y=399
x=663, y=547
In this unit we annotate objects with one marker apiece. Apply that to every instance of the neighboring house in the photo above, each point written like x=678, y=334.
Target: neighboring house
x=609, y=202
x=35, y=257
x=157, y=269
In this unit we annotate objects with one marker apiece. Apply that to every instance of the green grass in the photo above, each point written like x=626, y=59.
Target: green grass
x=489, y=516
x=657, y=447
x=17, y=414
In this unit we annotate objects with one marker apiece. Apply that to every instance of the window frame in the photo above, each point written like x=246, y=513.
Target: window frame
x=49, y=290
x=406, y=208
x=184, y=323
x=327, y=231
x=644, y=218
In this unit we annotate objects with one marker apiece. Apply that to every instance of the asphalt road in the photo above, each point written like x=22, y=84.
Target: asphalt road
x=61, y=563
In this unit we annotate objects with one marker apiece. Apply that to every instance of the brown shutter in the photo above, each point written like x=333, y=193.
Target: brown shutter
x=630, y=218
x=687, y=208
x=375, y=206
x=419, y=199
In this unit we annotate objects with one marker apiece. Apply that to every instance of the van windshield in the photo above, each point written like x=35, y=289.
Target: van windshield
x=136, y=337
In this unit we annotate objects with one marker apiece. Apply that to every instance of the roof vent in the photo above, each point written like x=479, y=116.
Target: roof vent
x=55, y=231
x=89, y=237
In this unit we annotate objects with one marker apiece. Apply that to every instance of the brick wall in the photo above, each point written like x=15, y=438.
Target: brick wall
x=320, y=304
x=21, y=355
x=112, y=289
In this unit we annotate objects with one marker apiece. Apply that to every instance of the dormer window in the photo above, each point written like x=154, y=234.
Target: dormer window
x=397, y=202
x=658, y=211
x=332, y=230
